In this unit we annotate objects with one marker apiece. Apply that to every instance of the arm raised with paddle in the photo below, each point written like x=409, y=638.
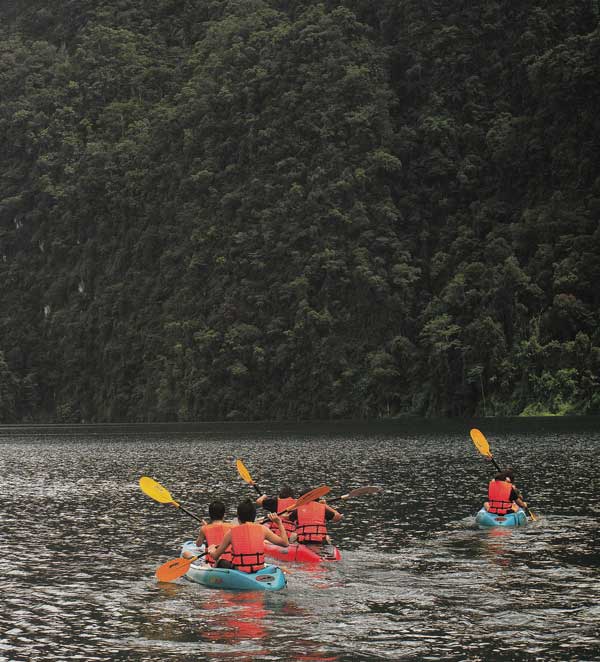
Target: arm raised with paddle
x=482, y=445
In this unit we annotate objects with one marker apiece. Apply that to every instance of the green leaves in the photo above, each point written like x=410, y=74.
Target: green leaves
x=252, y=210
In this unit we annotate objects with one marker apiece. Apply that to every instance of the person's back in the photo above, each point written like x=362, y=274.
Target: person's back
x=279, y=504
x=247, y=540
x=214, y=532
x=310, y=523
x=503, y=496
x=499, y=501
x=248, y=547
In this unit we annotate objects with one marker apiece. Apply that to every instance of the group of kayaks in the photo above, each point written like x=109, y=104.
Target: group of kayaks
x=272, y=577
x=269, y=578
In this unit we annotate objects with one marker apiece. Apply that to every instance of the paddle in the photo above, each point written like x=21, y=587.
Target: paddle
x=245, y=474
x=481, y=444
x=359, y=491
x=313, y=495
x=175, y=568
x=159, y=493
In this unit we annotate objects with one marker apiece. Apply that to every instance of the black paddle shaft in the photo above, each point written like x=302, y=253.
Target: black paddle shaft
x=187, y=512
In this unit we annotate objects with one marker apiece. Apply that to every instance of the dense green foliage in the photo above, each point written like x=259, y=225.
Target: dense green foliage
x=255, y=209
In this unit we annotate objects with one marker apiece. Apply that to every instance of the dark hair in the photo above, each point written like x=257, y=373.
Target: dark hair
x=216, y=510
x=503, y=475
x=246, y=511
x=286, y=492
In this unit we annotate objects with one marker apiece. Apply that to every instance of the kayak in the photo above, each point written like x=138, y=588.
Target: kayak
x=270, y=578
x=303, y=553
x=483, y=519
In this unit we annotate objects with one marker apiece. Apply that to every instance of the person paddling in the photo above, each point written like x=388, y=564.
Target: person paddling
x=310, y=520
x=503, y=496
x=247, y=540
x=213, y=532
x=278, y=505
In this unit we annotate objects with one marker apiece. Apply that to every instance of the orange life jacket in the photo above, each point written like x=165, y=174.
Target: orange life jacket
x=310, y=526
x=289, y=526
x=248, y=547
x=499, y=497
x=214, y=534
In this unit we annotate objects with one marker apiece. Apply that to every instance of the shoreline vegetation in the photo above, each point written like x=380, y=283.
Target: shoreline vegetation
x=252, y=210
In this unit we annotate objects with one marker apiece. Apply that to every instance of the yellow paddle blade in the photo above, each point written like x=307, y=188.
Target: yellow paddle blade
x=480, y=442
x=155, y=490
x=173, y=569
x=244, y=473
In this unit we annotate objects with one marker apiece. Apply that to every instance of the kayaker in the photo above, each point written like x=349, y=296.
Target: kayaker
x=503, y=496
x=310, y=520
x=212, y=533
x=277, y=505
x=247, y=540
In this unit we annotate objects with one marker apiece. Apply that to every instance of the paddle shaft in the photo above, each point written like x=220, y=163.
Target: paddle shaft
x=313, y=495
x=262, y=520
x=186, y=511
x=344, y=497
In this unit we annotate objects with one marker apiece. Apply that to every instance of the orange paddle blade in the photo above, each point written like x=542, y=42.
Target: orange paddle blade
x=173, y=569
x=313, y=495
x=480, y=442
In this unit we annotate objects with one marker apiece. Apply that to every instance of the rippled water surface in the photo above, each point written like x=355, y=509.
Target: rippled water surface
x=80, y=542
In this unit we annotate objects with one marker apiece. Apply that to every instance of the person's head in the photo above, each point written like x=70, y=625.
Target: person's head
x=246, y=511
x=504, y=475
x=216, y=510
x=286, y=492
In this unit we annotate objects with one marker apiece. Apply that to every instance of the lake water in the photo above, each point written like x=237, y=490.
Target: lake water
x=79, y=543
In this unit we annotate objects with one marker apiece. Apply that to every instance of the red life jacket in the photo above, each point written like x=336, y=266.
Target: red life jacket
x=248, y=547
x=310, y=526
x=499, y=497
x=214, y=534
x=289, y=526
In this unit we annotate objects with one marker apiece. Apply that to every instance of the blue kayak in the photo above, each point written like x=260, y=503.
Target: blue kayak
x=483, y=519
x=270, y=578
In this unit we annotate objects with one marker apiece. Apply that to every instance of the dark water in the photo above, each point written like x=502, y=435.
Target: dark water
x=79, y=543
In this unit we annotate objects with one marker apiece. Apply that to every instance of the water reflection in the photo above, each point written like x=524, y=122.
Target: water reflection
x=495, y=545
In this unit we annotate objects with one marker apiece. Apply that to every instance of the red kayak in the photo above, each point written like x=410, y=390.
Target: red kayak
x=303, y=553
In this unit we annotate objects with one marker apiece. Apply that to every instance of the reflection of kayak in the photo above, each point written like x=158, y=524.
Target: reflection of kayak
x=270, y=578
x=303, y=553
x=483, y=519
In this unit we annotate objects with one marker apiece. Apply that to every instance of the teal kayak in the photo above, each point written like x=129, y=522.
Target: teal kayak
x=483, y=519
x=270, y=578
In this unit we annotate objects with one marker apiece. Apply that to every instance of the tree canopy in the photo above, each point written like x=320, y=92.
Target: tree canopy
x=256, y=209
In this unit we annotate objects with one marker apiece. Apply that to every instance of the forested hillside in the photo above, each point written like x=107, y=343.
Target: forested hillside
x=261, y=209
